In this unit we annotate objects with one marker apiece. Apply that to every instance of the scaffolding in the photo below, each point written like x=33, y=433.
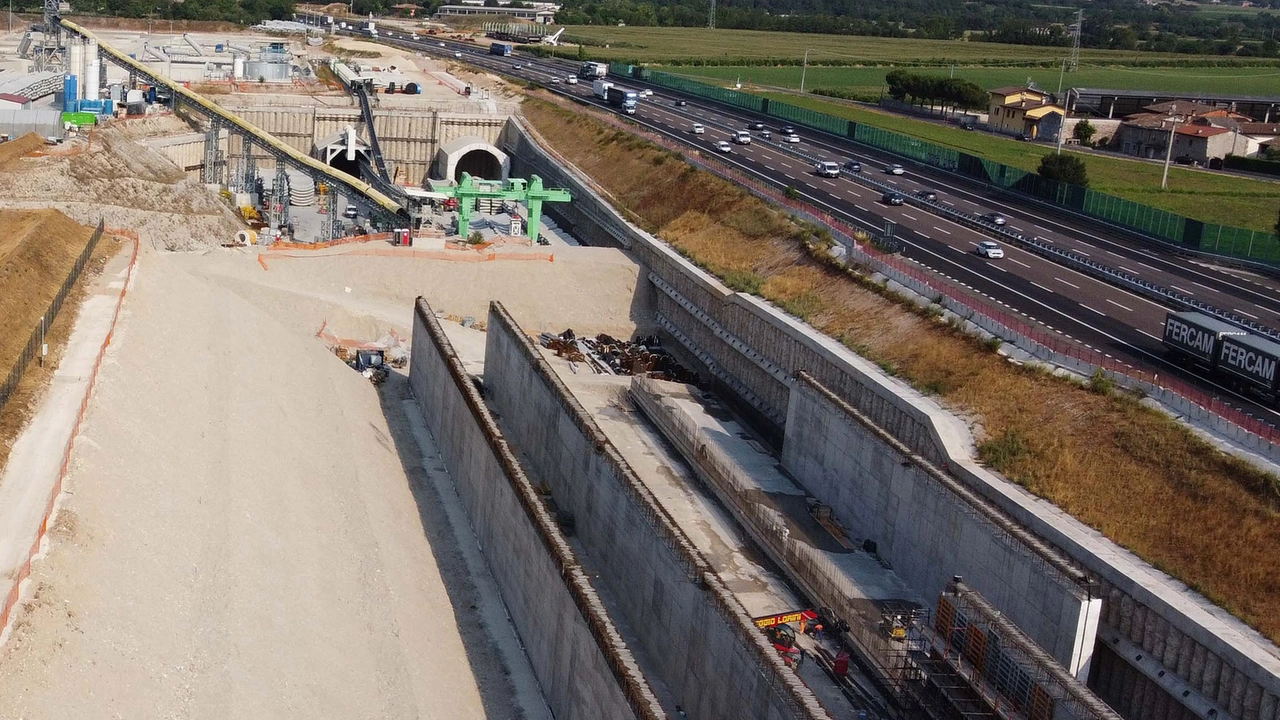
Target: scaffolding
x=1013, y=676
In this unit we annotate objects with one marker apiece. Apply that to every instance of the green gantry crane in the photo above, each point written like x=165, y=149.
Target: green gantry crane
x=532, y=194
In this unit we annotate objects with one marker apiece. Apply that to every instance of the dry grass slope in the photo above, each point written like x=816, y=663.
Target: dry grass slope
x=1140, y=478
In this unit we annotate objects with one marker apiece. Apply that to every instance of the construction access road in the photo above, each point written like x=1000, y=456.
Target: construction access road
x=247, y=530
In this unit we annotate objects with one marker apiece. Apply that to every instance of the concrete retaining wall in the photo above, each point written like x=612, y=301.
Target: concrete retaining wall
x=929, y=527
x=706, y=650
x=585, y=669
x=750, y=345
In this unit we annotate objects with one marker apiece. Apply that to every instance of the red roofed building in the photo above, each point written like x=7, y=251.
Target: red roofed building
x=1204, y=133
x=14, y=102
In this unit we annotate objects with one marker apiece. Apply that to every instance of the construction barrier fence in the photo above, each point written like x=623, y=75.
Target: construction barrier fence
x=1164, y=226
x=24, y=571
x=35, y=344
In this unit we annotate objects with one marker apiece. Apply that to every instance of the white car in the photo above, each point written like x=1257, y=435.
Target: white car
x=458, y=55
x=894, y=169
x=351, y=212
x=698, y=129
x=555, y=81
x=989, y=249
x=724, y=147
x=827, y=169
x=571, y=80
x=792, y=138
x=646, y=93
x=441, y=44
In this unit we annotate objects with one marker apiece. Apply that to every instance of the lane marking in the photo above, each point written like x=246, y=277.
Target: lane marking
x=1125, y=269
x=1206, y=287
x=1122, y=307
x=1084, y=253
x=1018, y=262
x=1250, y=315
x=1184, y=292
x=861, y=208
x=1064, y=282
x=935, y=227
x=1144, y=332
x=1086, y=307
x=912, y=217
x=1033, y=282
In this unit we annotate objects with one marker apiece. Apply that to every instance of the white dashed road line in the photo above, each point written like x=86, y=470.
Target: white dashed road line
x=1064, y=282
x=1086, y=307
x=945, y=232
x=1122, y=307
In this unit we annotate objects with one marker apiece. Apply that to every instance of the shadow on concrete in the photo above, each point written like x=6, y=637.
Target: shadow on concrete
x=492, y=676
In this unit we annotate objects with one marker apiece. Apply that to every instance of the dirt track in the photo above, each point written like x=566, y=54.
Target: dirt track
x=247, y=533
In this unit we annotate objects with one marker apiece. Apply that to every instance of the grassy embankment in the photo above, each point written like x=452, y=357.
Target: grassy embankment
x=1134, y=474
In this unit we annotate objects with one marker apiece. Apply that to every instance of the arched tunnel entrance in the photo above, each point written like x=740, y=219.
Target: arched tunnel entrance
x=482, y=164
x=470, y=154
x=342, y=151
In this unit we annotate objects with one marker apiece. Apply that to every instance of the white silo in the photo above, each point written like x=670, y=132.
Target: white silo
x=75, y=66
x=93, y=81
x=237, y=67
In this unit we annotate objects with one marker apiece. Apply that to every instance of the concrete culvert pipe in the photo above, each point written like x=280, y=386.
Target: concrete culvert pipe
x=245, y=238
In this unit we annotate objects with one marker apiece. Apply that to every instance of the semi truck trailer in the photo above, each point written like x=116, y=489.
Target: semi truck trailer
x=623, y=99
x=1225, y=351
x=503, y=49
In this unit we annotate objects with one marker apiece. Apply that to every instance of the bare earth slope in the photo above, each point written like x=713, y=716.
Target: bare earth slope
x=241, y=538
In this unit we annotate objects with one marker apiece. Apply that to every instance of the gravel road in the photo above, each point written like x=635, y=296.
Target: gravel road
x=242, y=538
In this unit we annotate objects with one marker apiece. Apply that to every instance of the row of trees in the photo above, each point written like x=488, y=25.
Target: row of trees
x=1112, y=24
x=246, y=12
x=935, y=90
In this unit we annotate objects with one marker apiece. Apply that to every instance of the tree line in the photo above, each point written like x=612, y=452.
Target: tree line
x=935, y=90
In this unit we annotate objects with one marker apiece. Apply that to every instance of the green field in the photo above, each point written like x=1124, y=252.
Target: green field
x=1212, y=197
x=688, y=45
x=870, y=80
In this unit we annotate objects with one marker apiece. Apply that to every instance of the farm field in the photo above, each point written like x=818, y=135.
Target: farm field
x=1212, y=197
x=870, y=80
x=693, y=45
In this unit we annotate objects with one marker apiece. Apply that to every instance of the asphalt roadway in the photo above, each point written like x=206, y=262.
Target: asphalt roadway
x=1098, y=315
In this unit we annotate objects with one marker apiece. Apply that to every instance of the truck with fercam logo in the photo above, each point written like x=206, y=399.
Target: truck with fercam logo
x=1253, y=359
x=623, y=99
x=1197, y=336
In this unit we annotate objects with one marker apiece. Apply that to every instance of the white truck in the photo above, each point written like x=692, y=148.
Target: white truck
x=600, y=89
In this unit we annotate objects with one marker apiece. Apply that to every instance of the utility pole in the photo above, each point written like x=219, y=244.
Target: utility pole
x=804, y=69
x=711, y=16
x=1168, y=153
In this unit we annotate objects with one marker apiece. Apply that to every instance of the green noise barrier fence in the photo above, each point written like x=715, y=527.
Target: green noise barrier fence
x=1171, y=228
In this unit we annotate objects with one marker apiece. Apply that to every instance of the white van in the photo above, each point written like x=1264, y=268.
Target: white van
x=742, y=137
x=827, y=169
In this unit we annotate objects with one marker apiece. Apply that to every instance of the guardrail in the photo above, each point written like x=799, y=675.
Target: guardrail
x=1041, y=343
x=1036, y=246
x=1249, y=248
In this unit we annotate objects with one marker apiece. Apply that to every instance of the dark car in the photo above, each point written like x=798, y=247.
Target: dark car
x=853, y=166
x=1022, y=137
x=893, y=198
x=681, y=103
x=994, y=218
x=927, y=194
x=757, y=126
x=788, y=130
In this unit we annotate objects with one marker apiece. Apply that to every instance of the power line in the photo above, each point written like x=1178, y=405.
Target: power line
x=711, y=16
x=1074, y=63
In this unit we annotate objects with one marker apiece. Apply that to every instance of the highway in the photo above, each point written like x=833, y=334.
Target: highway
x=1096, y=314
